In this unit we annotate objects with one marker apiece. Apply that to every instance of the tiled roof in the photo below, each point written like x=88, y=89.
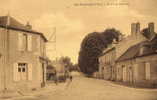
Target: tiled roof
x=15, y=25
x=134, y=51
x=107, y=51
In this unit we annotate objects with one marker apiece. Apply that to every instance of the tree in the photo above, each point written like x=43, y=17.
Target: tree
x=92, y=46
x=66, y=61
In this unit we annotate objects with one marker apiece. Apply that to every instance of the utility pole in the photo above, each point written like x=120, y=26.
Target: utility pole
x=52, y=40
x=7, y=51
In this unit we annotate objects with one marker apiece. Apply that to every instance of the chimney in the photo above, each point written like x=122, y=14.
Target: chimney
x=8, y=20
x=151, y=27
x=137, y=27
x=28, y=25
x=133, y=29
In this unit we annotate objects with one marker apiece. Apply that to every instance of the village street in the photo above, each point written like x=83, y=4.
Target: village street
x=82, y=88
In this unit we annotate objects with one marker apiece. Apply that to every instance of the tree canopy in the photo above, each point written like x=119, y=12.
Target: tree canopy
x=92, y=46
x=66, y=61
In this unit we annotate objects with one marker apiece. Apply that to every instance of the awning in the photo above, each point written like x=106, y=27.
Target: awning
x=44, y=59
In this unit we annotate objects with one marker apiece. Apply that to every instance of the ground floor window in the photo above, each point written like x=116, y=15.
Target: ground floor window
x=147, y=70
x=22, y=71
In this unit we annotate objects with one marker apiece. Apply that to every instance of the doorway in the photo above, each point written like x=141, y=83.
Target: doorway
x=43, y=75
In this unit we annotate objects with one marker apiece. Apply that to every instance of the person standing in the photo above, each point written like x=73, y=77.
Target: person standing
x=56, y=78
x=71, y=78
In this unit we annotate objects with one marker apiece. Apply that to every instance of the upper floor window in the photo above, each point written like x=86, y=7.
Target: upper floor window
x=22, y=71
x=24, y=42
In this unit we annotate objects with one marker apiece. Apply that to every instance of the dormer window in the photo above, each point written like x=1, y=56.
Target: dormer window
x=141, y=50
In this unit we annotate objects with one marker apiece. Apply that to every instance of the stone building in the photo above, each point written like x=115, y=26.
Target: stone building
x=107, y=63
x=138, y=64
x=61, y=68
x=134, y=59
x=119, y=48
x=22, y=60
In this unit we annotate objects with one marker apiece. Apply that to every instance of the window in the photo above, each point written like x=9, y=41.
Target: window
x=22, y=71
x=38, y=43
x=102, y=68
x=147, y=70
x=19, y=69
x=25, y=42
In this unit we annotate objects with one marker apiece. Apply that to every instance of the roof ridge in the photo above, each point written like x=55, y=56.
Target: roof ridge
x=131, y=48
x=17, y=25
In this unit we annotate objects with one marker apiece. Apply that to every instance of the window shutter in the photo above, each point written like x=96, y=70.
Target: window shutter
x=135, y=72
x=30, y=72
x=38, y=44
x=20, y=41
x=29, y=42
x=15, y=72
x=147, y=70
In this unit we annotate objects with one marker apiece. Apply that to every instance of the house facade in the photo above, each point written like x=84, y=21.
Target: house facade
x=107, y=64
x=119, y=48
x=22, y=60
x=138, y=65
x=62, y=69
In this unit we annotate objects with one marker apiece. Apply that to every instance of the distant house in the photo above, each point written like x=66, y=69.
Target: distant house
x=22, y=60
x=61, y=70
x=107, y=64
x=59, y=66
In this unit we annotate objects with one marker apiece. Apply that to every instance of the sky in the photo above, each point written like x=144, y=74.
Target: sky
x=74, y=21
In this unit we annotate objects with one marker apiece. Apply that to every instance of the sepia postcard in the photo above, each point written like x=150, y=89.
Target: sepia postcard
x=78, y=50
